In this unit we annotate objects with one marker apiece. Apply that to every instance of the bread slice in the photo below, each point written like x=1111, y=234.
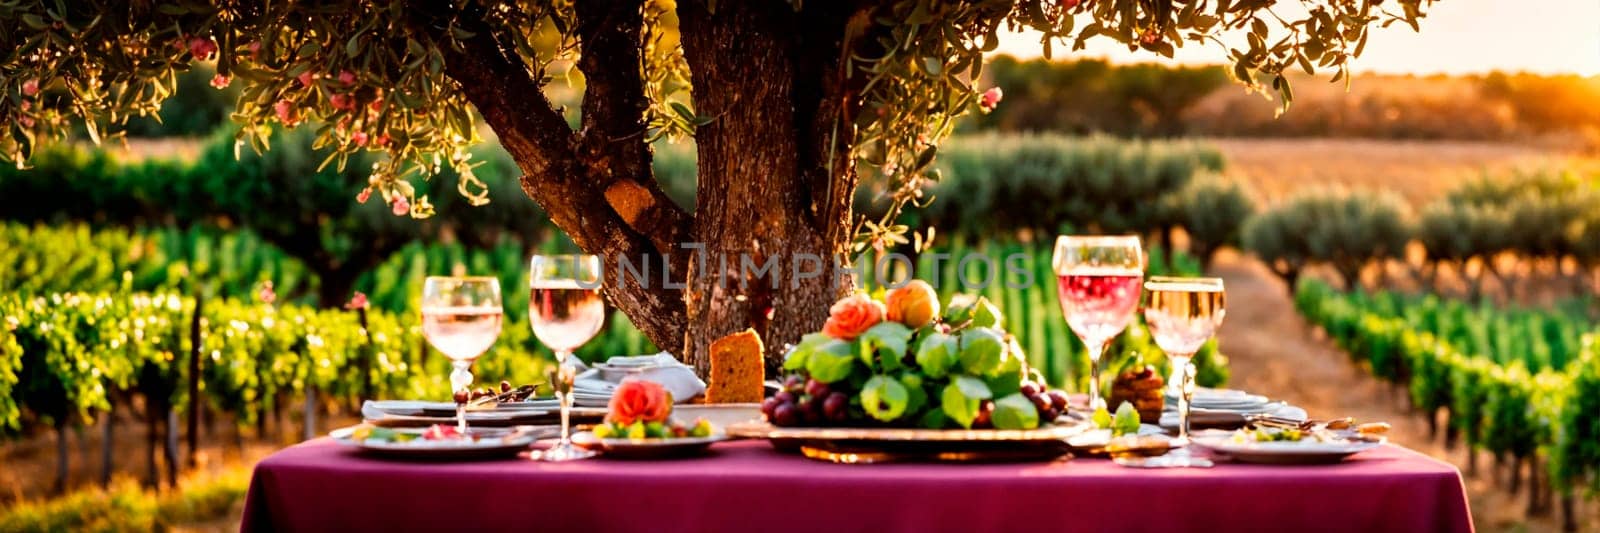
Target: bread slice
x=737, y=369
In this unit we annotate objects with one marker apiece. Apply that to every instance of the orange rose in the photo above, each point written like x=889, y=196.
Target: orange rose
x=913, y=304
x=852, y=316
x=639, y=400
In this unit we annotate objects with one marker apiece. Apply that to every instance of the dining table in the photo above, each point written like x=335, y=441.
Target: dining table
x=746, y=485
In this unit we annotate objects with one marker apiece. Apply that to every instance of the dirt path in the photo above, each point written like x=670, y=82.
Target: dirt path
x=1273, y=351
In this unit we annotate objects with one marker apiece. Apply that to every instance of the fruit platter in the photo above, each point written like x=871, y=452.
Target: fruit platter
x=438, y=442
x=891, y=378
x=639, y=425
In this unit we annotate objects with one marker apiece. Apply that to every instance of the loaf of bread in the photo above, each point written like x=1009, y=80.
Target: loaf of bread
x=737, y=369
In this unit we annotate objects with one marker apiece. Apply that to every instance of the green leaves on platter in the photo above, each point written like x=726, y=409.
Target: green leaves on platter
x=884, y=398
x=887, y=341
x=936, y=376
x=937, y=353
x=961, y=399
x=1015, y=411
x=968, y=311
x=824, y=358
x=982, y=350
x=976, y=312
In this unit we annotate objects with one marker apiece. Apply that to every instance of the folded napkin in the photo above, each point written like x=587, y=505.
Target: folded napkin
x=679, y=379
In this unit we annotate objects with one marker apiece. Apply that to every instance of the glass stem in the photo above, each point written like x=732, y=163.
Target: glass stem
x=1185, y=390
x=565, y=373
x=461, y=380
x=1096, y=350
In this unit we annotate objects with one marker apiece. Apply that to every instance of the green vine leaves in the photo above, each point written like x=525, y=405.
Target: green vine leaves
x=369, y=75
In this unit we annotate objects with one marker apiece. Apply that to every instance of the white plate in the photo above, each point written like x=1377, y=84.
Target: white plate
x=719, y=415
x=496, y=443
x=1285, y=453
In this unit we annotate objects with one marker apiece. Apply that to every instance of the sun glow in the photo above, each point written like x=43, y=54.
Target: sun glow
x=1457, y=37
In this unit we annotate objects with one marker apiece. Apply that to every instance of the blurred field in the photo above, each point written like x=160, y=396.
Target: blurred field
x=1417, y=170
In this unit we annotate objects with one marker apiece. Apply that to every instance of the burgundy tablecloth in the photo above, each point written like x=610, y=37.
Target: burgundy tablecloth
x=745, y=486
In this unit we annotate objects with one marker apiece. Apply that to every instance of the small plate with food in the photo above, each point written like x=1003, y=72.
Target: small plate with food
x=1286, y=446
x=640, y=425
x=439, y=442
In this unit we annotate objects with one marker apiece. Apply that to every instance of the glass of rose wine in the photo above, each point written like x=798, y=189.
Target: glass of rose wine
x=1182, y=314
x=461, y=317
x=566, y=310
x=1097, y=280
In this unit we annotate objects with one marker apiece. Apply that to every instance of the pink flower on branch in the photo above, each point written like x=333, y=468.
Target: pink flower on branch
x=286, y=112
x=30, y=87
x=266, y=293
x=220, y=81
x=342, y=102
x=401, y=206
x=359, y=301
x=202, y=47
x=990, y=99
x=362, y=197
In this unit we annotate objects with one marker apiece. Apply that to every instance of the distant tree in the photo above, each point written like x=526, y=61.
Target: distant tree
x=1211, y=210
x=1347, y=230
x=783, y=99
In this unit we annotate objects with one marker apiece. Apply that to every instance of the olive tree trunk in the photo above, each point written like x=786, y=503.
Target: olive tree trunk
x=775, y=171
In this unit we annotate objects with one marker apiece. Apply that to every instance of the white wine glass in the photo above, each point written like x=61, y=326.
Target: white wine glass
x=461, y=317
x=1182, y=313
x=566, y=311
x=1097, y=280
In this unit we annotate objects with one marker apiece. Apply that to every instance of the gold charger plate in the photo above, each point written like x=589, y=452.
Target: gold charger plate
x=877, y=445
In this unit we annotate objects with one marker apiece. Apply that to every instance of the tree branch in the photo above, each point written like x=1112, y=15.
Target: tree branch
x=612, y=138
x=555, y=175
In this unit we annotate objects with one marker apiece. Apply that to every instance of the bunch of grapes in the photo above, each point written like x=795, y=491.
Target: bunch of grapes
x=1050, y=403
x=805, y=402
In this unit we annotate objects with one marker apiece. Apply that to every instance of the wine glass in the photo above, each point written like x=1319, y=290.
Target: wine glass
x=461, y=317
x=1098, y=284
x=1182, y=314
x=566, y=311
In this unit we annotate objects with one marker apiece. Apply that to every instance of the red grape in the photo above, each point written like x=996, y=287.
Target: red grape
x=1041, y=402
x=816, y=388
x=985, y=414
x=836, y=407
x=1058, y=399
x=784, y=396
x=461, y=396
x=794, y=381
x=768, y=406
x=785, y=415
x=1030, y=389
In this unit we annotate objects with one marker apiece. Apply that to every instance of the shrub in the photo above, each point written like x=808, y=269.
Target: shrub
x=1346, y=229
x=1003, y=185
x=1212, y=211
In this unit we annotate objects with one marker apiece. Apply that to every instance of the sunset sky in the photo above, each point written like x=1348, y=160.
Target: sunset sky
x=1458, y=36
